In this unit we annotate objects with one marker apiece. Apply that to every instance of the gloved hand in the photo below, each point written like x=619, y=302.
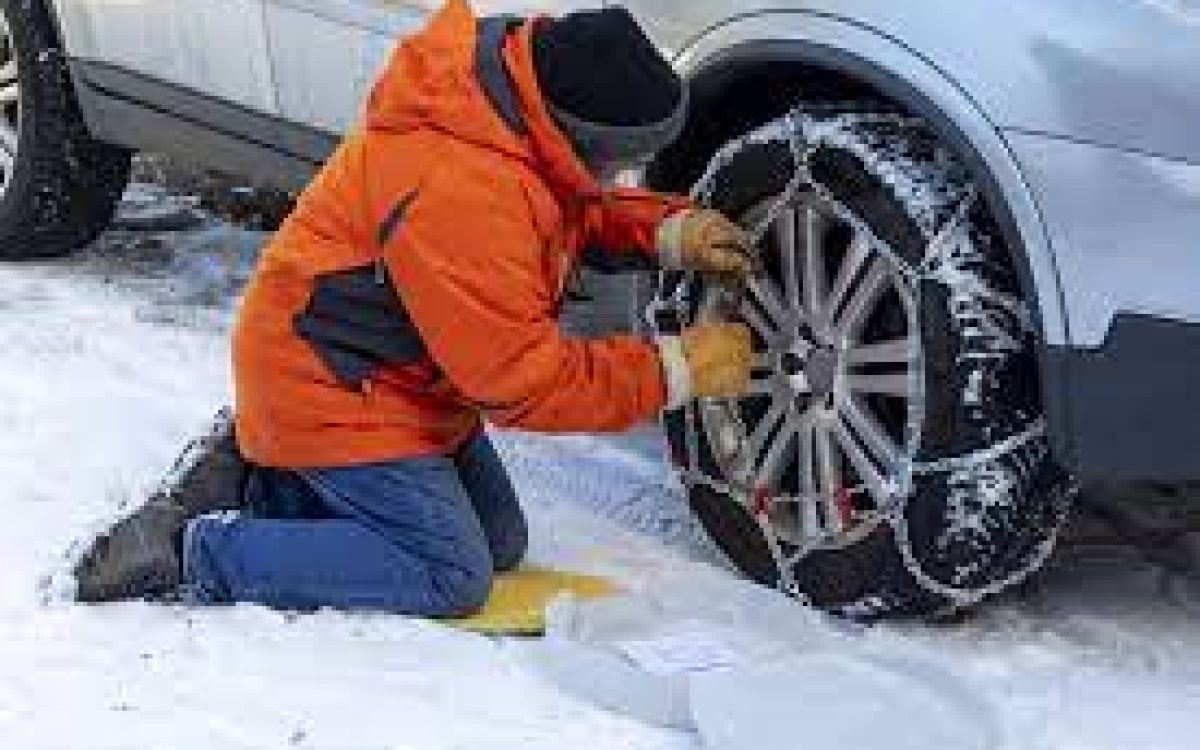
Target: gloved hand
x=706, y=361
x=701, y=239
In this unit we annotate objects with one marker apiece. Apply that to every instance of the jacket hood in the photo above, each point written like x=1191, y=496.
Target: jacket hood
x=431, y=81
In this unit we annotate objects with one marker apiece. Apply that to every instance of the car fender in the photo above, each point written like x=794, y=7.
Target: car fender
x=904, y=75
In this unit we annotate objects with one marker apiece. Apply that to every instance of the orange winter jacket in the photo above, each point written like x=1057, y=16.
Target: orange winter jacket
x=414, y=291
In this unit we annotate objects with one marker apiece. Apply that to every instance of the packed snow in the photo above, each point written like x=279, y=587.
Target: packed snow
x=116, y=355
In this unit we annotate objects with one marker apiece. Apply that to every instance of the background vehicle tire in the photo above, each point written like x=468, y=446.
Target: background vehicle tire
x=893, y=449
x=58, y=186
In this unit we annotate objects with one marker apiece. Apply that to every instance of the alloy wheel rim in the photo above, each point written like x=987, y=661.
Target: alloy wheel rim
x=834, y=415
x=10, y=106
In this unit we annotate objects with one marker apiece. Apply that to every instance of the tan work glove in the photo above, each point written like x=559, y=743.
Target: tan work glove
x=706, y=361
x=700, y=239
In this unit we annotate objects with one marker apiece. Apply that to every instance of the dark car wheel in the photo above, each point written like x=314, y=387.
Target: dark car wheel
x=58, y=187
x=891, y=458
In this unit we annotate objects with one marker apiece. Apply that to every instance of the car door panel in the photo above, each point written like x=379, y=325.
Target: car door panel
x=327, y=52
x=215, y=47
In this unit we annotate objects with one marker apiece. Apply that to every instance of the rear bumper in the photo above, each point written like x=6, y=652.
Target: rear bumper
x=1131, y=406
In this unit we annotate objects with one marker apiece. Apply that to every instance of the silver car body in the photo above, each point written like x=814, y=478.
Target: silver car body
x=1085, y=114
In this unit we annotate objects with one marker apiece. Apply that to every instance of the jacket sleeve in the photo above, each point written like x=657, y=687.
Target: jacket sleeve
x=471, y=269
x=624, y=222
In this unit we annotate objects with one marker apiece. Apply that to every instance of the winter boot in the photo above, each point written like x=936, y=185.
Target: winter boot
x=140, y=557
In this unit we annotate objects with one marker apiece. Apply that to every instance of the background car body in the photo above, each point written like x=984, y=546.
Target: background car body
x=1077, y=116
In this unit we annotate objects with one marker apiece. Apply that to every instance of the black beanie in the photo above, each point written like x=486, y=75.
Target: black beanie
x=607, y=84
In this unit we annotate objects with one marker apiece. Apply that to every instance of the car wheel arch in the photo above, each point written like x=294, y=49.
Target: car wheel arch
x=744, y=59
x=716, y=63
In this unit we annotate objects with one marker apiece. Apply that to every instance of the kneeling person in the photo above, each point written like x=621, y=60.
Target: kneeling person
x=412, y=295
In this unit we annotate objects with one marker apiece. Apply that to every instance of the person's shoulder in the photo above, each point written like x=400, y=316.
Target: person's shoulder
x=461, y=167
x=479, y=179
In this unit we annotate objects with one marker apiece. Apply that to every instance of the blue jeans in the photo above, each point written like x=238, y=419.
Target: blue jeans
x=418, y=536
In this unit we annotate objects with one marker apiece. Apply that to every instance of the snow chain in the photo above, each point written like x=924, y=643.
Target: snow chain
x=669, y=311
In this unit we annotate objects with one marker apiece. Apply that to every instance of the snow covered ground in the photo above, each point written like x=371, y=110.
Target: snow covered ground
x=112, y=358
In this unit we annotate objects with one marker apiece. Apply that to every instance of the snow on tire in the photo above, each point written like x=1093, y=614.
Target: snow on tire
x=891, y=458
x=58, y=186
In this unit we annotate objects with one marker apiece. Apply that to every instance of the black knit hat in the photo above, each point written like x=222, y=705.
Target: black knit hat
x=607, y=85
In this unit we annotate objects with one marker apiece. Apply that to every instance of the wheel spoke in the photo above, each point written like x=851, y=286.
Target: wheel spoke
x=760, y=325
x=764, y=429
x=814, y=265
x=856, y=255
x=805, y=445
x=809, y=494
x=767, y=295
x=888, y=384
x=874, y=438
x=865, y=294
x=868, y=473
x=829, y=482
x=786, y=236
x=772, y=465
x=826, y=481
x=894, y=352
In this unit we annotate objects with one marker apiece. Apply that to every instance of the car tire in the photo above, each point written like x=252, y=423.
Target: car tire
x=915, y=476
x=58, y=186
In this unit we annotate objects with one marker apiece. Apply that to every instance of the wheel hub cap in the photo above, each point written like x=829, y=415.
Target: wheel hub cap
x=821, y=371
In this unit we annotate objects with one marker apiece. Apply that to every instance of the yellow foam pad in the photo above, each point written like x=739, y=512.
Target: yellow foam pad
x=517, y=605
